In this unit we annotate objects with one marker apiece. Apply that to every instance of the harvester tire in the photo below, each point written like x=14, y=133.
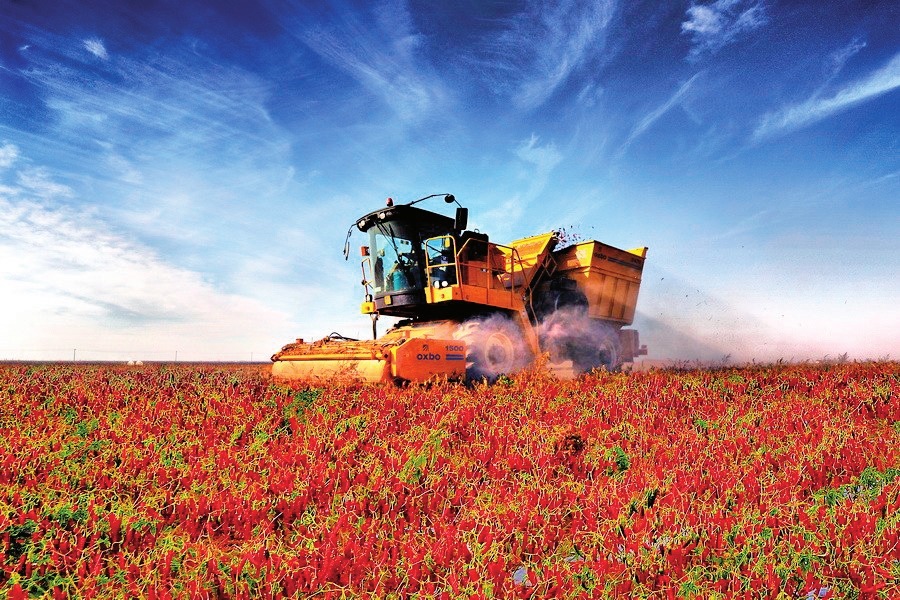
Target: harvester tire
x=569, y=334
x=607, y=355
x=495, y=346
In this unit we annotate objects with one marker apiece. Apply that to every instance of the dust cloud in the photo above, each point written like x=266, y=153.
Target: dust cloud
x=570, y=334
x=574, y=342
x=496, y=346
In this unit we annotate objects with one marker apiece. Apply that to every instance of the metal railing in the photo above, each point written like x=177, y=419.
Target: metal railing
x=503, y=269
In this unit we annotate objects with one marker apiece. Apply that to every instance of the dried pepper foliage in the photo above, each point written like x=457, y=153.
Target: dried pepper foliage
x=162, y=482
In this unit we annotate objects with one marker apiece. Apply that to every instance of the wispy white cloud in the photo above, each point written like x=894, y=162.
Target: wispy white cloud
x=645, y=123
x=95, y=46
x=534, y=166
x=791, y=118
x=67, y=278
x=69, y=255
x=544, y=160
x=888, y=177
x=753, y=222
x=8, y=155
x=540, y=48
x=124, y=169
x=203, y=129
x=567, y=35
x=385, y=59
x=714, y=26
x=156, y=213
x=590, y=94
x=180, y=92
x=38, y=182
x=839, y=58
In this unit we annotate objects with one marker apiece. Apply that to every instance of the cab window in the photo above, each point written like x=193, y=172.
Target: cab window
x=396, y=265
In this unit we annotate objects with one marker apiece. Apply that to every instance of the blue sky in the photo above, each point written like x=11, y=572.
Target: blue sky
x=178, y=177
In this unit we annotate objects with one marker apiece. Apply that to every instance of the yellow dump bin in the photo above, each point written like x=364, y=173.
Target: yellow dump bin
x=608, y=276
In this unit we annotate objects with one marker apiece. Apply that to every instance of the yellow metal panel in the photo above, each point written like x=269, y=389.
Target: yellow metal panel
x=473, y=293
x=532, y=247
x=642, y=252
x=443, y=294
x=420, y=359
x=474, y=275
x=532, y=253
x=608, y=276
x=329, y=369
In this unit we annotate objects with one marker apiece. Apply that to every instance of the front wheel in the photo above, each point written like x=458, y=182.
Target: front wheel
x=494, y=346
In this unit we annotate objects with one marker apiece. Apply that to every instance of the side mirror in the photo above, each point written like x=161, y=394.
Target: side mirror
x=462, y=218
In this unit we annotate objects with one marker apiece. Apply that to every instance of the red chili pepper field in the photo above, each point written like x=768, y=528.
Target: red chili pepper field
x=217, y=482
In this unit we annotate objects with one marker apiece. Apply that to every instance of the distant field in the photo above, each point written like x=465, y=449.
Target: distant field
x=174, y=480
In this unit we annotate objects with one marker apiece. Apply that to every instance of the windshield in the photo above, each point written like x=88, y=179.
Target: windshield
x=396, y=257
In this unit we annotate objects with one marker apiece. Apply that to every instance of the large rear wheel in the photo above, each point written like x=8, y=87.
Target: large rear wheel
x=570, y=334
x=607, y=354
x=495, y=346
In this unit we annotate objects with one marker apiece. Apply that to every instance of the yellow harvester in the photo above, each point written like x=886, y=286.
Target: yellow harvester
x=472, y=308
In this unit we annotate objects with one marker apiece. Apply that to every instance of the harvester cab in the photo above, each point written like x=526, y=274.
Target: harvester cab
x=472, y=308
x=398, y=262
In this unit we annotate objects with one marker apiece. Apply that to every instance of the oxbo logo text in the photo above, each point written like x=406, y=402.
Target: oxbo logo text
x=428, y=356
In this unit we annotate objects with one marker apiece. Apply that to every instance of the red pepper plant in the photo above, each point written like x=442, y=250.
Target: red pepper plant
x=166, y=481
